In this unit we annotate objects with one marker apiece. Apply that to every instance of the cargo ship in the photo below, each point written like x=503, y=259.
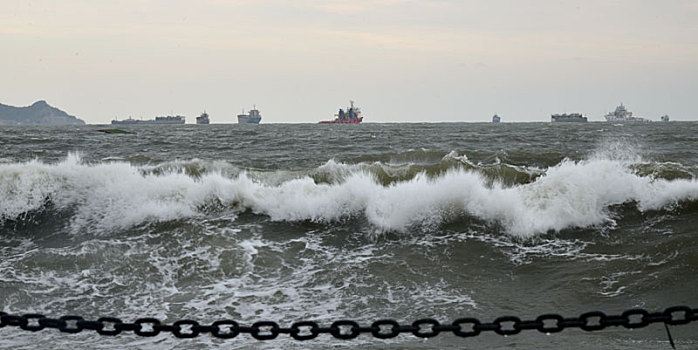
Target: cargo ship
x=253, y=117
x=178, y=119
x=351, y=116
x=568, y=118
x=203, y=119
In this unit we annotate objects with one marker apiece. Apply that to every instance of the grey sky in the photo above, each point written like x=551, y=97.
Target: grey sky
x=400, y=60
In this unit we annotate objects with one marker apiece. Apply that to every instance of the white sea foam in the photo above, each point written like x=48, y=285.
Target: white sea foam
x=461, y=158
x=116, y=195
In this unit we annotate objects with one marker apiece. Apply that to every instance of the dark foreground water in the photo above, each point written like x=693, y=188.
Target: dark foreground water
x=327, y=222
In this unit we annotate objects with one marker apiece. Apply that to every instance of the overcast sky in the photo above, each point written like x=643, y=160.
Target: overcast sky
x=400, y=60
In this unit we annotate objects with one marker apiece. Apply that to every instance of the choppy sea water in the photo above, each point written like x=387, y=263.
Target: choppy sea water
x=300, y=222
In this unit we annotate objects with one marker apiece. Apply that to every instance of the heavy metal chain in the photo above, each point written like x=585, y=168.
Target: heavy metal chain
x=346, y=329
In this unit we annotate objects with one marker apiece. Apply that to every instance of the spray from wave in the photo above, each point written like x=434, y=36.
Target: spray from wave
x=116, y=195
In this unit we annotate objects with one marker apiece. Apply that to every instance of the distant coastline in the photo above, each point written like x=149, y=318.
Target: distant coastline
x=39, y=113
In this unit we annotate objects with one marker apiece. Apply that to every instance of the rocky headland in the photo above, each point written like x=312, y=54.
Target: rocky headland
x=39, y=113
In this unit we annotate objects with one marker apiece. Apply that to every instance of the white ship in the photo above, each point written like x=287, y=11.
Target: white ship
x=622, y=115
x=253, y=117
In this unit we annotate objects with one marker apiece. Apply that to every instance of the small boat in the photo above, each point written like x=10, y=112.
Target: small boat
x=351, y=116
x=253, y=117
x=665, y=118
x=496, y=119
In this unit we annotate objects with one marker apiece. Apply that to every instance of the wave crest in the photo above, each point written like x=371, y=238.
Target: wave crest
x=116, y=195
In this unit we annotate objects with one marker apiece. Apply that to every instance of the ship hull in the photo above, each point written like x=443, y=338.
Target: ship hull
x=627, y=120
x=569, y=120
x=342, y=121
x=243, y=119
x=121, y=122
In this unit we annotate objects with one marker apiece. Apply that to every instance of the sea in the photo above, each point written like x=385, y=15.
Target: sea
x=307, y=222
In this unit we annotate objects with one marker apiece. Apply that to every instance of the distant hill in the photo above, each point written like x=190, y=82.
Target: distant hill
x=40, y=113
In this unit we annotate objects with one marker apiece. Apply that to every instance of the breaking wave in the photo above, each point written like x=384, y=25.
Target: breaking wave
x=391, y=197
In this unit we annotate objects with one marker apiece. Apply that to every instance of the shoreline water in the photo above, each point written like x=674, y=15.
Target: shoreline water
x=404, y=221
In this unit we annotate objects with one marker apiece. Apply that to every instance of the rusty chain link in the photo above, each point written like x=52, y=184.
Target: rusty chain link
x=346, y=329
